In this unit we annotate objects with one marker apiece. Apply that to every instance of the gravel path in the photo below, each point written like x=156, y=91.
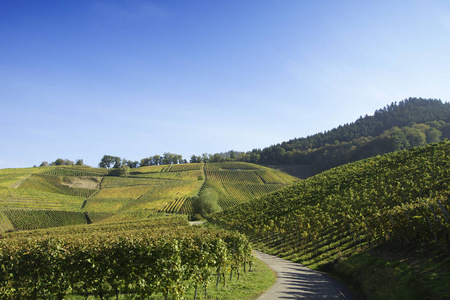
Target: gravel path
x=296, y=281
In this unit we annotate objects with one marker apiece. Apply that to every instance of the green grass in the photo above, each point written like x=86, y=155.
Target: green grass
x=249, y=286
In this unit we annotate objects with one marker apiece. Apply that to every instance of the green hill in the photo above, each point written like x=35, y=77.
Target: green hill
x=409, y=123
x=397, y=201
x=32, y=197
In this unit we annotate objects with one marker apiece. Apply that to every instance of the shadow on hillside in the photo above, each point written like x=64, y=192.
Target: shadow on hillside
x=303, y=283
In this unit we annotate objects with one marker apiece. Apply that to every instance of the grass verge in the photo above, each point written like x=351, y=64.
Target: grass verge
x=249, y=286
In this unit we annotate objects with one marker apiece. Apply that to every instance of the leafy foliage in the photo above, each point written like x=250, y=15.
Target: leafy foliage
x=93, y=262
x=206, y=203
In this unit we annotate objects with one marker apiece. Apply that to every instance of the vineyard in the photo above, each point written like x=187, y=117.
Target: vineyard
x=26, y=219
x=5, y=223
x=32, y=199
x=76, y=222
x=163, y=257
x=74, y=171
x=401, y=199
x=175, y=206
x=164, y=188
x=65, y=231
x=237, y=182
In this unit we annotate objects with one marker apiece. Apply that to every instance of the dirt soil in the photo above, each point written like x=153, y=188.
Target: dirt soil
x=82, y=182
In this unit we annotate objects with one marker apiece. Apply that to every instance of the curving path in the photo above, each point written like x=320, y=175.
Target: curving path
x=295, y=281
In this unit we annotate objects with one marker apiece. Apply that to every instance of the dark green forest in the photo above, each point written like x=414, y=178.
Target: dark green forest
x=408, y=123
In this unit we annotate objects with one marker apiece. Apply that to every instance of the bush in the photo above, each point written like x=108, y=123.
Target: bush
x=196, y=217
x=122, y=171
x=206, y=203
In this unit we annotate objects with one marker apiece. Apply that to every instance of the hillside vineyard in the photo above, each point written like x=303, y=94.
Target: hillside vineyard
x=43, y=197
x=402, y=197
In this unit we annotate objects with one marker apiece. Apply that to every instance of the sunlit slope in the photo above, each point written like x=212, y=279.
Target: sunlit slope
x=35, y=193
x=56, y=188
x=147, y=188
x=402, y=197
x=237, y=182
x=169, y=188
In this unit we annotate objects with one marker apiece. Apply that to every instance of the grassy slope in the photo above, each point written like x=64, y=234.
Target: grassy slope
x=381, y=206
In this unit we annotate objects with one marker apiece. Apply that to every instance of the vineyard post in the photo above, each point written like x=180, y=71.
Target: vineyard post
x=231, y=271
x=431, y=228
x=439, y=222
x=444, y=211
x=218, y=277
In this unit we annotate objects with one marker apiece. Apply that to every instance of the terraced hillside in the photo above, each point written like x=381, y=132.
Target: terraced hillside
x=92, y=194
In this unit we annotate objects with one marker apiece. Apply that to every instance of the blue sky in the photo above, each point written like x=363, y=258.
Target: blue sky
x=81, y=79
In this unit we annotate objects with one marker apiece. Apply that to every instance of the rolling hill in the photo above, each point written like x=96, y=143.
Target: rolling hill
x=408, y=123
x=379, y=220
x=398, y=201
x=65, y=195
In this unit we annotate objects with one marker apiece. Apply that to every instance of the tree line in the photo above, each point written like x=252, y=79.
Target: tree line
x=409, y=123
x=62, y=162
x=109, y=161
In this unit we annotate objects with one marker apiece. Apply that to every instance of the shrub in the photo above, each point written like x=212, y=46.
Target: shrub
x=206, y=203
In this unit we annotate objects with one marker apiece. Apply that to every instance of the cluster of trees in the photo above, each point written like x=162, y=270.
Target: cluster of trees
x=217, y=157
x=167, y=158
x=62, y=162
x=109, y=161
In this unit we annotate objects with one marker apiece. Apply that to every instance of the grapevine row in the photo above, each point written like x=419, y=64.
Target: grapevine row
x=401, y=197
x=167, y=264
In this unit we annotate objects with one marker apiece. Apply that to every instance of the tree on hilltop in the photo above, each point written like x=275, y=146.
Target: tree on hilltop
x=195, y=159
x=109, y=161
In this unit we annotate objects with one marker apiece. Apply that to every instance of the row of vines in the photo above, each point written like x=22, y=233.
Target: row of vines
x=106, y=264
x=27, y=219
x=401, y=197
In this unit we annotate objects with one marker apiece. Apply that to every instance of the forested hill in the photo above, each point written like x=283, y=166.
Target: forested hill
x=411, y=122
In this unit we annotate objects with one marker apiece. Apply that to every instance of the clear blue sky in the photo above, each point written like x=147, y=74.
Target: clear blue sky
x=81, y=79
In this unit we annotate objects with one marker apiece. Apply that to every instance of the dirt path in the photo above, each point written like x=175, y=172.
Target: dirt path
x=194, y=223
x=296, y=281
